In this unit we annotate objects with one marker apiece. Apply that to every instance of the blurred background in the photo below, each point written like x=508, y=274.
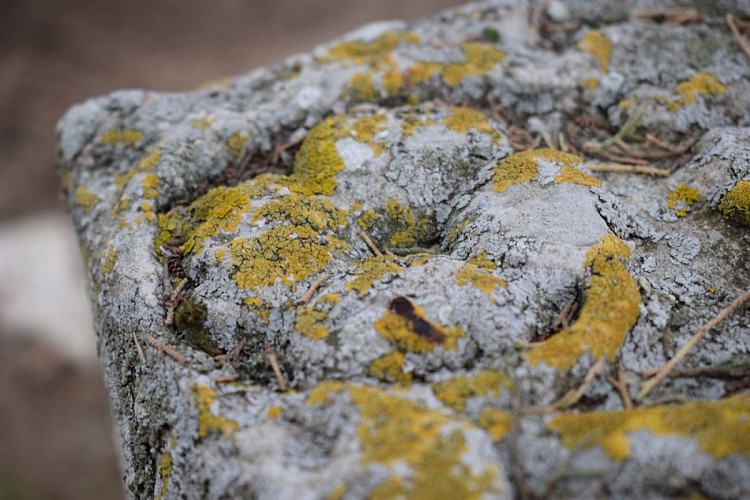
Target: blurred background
x=56, y=437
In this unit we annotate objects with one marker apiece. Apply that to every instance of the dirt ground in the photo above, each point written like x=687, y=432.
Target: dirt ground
x=55, y=434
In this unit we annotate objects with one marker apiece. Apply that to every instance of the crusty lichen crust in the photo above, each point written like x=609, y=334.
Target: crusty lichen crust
x=413, y=307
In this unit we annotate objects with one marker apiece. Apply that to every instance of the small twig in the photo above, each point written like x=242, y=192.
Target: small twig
x=564, y=145
x=628, y=169
x=617, y=158
x=283, y=147
x=566, y=314
x=235, y=353
x=167, y=349
x=223, y=379
x=737, y=36
x=139, y=349
x=313, y=288
x=669, y=16
x=172, y=302
x=573, y=396
x=274, y=362
x=708, y=371
x=628, y=127
x=547, y=139
x=663, y=145
x=536, y=20
x=664, y=371
x=369, y=243
x=622, y=388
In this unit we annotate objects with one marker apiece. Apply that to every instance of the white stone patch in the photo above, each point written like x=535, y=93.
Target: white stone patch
x=548, y=171
x=355, y=154
x=42, y=286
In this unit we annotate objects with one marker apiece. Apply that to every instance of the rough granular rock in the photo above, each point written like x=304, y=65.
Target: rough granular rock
x=400, y=265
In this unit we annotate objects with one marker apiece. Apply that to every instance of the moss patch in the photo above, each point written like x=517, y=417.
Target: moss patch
x=610, y=311
x=720, y=428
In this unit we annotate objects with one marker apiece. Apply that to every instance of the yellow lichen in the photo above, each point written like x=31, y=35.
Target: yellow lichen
x=236, y=144
x=599, y=46
x=735, y=205
x=337, y=493
x=392, y=82
x=318, y=161
x=395, y=431
x=203, y=123
x=311, y=320
x=320, y=394
x=258, y=307
x=524, y=166
x=700, y=83
x=411, y=230
x=218, y=211
x=719, y=428
x=455, y=392
x=479, y=60
x=391, y=368
x=208, y=419
x=85, y=199
x=126, y=137
x=590, y=84
x=610, y=311
x=165, y=472
x=370, y=270
x=151, y=186
x=294, y=249
x=367, y=219
x=274, y=412
x=150, y=161
x=478, y=272
x=681, y=199
x=363, y=85
x=496, y=422
x=109, y=261
x=399, y=331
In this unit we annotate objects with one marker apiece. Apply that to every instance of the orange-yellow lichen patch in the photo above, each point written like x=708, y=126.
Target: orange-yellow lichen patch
x=85, y=199
x=219, y=210
x=391, y=368
x=479, y=60
x=150, y=186
x=455, y=392
x=410, y=229
x=735, y=205
x=208, y=418
x=258, y=307
x=165, y=472
x=362, y=83
x=285, y=253
x=321, y=393
x=274, y=411
x=478, y=272
x=311, y=320
x=700, y=83
x=394, y=430
x=682, y=199
x=496, y=422
x=127, y=137
x=203, y=123
x=110, y=259
x=524, y=167
x=595, y=43
x=719, y=428
x=370, y=270
x=375, y=53
x=236, y=144
x=367, y=219
x=149, y=161
x=401, y=331
x=610, y=311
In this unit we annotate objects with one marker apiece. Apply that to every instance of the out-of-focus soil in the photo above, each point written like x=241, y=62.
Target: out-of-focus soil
x=55, y=430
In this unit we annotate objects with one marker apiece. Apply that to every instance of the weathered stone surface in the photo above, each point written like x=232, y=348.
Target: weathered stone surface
x=433, y=369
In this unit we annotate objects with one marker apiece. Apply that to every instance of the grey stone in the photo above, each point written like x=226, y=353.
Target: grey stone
x=301, y=364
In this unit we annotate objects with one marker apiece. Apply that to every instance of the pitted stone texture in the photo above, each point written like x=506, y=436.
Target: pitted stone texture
x=427, y=369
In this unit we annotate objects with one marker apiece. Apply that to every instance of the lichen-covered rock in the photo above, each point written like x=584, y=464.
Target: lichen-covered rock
x=371, y=280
